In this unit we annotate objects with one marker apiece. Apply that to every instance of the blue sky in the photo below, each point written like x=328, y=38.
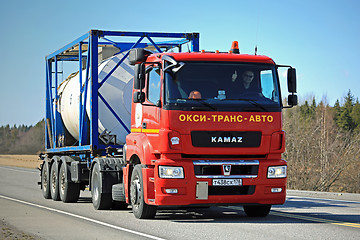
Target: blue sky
x=319, y=38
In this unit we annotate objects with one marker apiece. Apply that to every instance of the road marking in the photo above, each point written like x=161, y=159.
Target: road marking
x=324, y=199
x=315, y=219
x=18, y=170
x=84, y=218
x=302, y=217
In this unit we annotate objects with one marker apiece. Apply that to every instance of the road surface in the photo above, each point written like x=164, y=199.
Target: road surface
x=305, y=215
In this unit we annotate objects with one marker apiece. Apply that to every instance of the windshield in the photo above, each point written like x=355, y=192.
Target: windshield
x=223, y=87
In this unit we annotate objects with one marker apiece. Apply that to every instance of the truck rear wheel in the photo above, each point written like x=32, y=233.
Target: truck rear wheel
x=45, y=180
x=69, y=191
x=100, y=200
x=54, y=182
x=257, y=210
x=140, y=208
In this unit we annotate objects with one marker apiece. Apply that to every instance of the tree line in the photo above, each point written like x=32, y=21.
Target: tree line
x=22, y=139
x=322, y=144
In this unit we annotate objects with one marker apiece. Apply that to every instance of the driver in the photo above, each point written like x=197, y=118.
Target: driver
x=247, y=78
x=248, y=85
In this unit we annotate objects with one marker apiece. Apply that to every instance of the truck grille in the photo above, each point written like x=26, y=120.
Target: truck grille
x=215, y=169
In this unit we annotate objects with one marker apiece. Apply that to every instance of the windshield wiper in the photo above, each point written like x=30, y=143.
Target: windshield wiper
x=253, y=102
x=203, y=103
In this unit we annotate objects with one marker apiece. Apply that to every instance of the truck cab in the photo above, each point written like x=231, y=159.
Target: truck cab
x=206, y=129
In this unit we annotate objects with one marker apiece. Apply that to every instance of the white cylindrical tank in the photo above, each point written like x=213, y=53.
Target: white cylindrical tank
x=116, y=90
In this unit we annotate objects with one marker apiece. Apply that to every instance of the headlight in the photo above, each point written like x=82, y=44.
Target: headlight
x=171, y=172
x=276, y=172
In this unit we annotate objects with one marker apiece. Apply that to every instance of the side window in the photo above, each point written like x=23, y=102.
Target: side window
x=267, y=85
x=154, y=85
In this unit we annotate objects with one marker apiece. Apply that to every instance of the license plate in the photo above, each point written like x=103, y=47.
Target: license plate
x=227, y=182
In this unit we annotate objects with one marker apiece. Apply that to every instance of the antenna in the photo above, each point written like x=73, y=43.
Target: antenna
x=257, y=27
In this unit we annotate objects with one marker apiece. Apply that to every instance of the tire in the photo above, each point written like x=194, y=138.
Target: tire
x=100, y=200
x=118, y=196
x=54, y=182
x=69, y=191
x=45, y=180
x=140, y=209
x=257, y=210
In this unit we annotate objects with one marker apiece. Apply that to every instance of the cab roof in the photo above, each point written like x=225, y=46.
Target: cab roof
x=217, y=57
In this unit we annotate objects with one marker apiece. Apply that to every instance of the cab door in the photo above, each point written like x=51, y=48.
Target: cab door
x=151, y=106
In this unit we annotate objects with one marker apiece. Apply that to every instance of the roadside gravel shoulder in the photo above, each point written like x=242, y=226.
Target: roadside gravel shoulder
x=25, y=161
x=10, y=232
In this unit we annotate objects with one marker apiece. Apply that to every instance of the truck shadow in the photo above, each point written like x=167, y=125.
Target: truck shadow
x=216, y=215
x=293, y=211
x=226, y=215
x=200, y=215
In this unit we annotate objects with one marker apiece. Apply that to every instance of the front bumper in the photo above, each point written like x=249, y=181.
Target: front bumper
x=195, y=189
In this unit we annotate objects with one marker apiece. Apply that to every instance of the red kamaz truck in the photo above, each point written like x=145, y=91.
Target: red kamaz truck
x=147, y=125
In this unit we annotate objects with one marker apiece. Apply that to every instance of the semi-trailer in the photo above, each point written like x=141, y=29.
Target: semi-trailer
x=156, y=122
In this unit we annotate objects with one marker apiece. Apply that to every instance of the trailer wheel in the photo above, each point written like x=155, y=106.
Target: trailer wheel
x=54, y=182
x=140, y=208
x=257, y=210
x=69, y=191
x=45, y=180
x=100, y=200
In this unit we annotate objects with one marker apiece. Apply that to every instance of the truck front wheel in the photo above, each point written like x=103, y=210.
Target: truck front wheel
x=257, y=210
x=140, y=208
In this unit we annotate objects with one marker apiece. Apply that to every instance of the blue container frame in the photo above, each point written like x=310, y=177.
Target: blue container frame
x=54, y=127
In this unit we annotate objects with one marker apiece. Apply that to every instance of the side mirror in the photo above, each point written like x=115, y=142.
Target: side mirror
x=139, y=78
x=292, y=100
x=139, y=97
x=291, y=78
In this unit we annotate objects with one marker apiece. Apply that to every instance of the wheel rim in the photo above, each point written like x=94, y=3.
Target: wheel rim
x=44, y=178
x=135, y=193
x=53, y=181
x=95, y=187
x=62, y=182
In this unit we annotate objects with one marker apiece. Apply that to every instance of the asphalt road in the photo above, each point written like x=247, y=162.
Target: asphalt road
x=305, y=215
